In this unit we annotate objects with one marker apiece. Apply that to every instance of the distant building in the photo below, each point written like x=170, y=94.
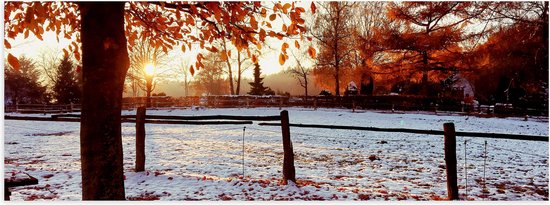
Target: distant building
x=351, y=89
x=456, y=83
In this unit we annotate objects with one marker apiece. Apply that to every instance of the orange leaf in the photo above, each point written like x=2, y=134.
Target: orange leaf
x=7, y=44
x=77, y=55
x=284, y=47
x=311, y=51
x=178, y=15
x=12, y=60
x=297, y=44
x=313, y=8
x=224, y=55
x=183, y=48
x=253, y=23
x=286, y=7
x=262, y=35
x=263, y=12
x=254, y=60
x=272, y=17
x=192, y=70
x=281, y=59
x=65, y=52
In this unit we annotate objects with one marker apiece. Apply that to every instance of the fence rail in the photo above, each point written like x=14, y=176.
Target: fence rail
x=415, y=131
x=392, y=103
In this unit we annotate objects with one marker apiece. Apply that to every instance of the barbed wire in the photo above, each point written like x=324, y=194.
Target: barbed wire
x=511, y=150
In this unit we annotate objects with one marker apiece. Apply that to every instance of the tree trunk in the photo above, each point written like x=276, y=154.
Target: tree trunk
x=229, y=70
x=336, y=65
x=337, y=78
x=545, y=41
x=239, y=72
x=425, y=71
x=104, y=66
x=231, y=81
x=149, y=90
x=305, y=87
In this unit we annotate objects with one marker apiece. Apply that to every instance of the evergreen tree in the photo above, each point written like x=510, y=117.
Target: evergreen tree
x=23, y=85
x=66, y=87
x=257, y=87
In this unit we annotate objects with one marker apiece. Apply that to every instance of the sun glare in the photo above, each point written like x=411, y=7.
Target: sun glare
x=149, y=69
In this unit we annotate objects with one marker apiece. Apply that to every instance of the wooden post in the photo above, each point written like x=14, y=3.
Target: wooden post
x=140, y=139
x=353, y=106
x=450, y=160
x=289, y=172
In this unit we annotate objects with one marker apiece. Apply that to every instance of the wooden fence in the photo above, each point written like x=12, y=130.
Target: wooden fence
x=42, y=108
x=389, y=103
x=141, y=118
x=288, y=168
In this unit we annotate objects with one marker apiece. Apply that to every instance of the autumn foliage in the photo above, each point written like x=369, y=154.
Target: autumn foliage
x=411, y=47
x=168, y=25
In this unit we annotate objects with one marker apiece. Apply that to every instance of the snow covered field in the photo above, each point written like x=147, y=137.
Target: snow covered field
x=204, y=162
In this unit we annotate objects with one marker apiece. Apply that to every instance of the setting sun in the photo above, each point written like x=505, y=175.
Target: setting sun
x=149, y=69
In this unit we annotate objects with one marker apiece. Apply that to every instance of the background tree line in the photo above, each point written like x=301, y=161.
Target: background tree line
x=410, y=47
x=50, y=81
x=404, y=47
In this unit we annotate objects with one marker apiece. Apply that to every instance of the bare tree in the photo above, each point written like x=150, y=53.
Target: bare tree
x=301, y=73
x=49, y=60
x=209, y=80
x=184, y=69
x=244, y=62
x=226, y=55
x=333, y=31
x=141, y=55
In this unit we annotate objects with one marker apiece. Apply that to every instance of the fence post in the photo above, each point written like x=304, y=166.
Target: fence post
x=450, y=160
x=140, y=139
x=353, y=106
x=289, y=172
x=280, y=103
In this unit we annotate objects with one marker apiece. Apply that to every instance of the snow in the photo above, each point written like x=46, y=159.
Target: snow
x=204, y=162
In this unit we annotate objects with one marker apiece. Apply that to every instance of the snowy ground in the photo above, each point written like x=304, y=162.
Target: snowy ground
x=195, y=162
